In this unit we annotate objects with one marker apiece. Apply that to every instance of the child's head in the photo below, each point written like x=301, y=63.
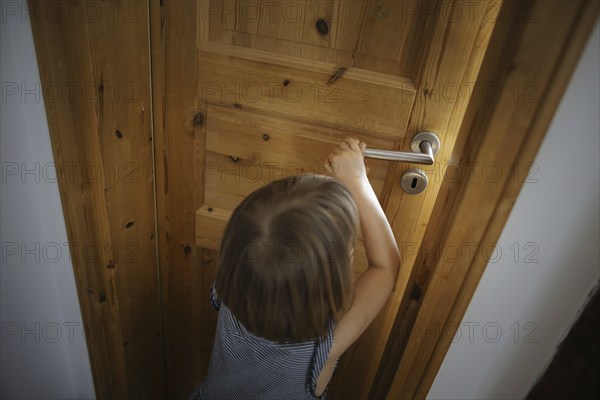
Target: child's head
x=285, y=258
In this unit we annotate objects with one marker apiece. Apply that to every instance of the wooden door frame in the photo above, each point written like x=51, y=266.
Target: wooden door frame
x=473, y=208
x=441, y=290
x=97, y=98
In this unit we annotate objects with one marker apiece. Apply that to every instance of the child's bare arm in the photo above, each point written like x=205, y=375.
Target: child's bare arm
x=374, y=286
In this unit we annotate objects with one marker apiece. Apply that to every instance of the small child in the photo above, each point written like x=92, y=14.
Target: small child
x=287, y=306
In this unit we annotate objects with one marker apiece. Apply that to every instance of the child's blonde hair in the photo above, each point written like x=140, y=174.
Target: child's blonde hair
x=285, y=258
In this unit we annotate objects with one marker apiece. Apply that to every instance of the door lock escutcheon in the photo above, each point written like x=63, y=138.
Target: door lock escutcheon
x=414, y=181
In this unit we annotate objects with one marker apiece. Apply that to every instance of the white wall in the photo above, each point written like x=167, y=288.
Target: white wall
x=43, y=351
x=554, y=221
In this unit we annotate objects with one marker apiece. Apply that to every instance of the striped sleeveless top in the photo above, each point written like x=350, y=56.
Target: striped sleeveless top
x=246, y=366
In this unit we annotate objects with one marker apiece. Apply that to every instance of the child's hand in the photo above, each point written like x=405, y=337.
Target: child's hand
x=346, y=163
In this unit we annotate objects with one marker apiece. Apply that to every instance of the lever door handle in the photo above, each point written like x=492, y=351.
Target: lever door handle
x=424, y=145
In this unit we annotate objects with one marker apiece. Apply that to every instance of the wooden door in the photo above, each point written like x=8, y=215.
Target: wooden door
x=256, y=91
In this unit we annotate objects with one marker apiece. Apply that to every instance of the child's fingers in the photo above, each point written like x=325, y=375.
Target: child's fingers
x=344, y=146
x=362, y=146
x=331, y=165
x=328, y=164
x=353, y=144
x=350, y=141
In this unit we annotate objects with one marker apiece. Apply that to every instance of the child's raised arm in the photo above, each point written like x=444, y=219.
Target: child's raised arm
x=375, y=285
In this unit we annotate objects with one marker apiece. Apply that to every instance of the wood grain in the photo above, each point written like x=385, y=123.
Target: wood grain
x=257, y=149
x=179, y=132
x=359, y=100
x=362, y=34
x=101, y=133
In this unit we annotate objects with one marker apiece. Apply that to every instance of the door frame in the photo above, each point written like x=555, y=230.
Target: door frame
x=441, y=298
x=444, y=286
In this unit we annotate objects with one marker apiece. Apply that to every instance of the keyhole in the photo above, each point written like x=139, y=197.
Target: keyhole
x=322, y=27
x=414, y=181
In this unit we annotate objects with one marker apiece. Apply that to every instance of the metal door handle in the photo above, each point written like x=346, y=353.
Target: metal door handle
x=424, y=145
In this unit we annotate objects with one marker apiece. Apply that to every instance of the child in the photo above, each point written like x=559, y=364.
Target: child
x=287, y=306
